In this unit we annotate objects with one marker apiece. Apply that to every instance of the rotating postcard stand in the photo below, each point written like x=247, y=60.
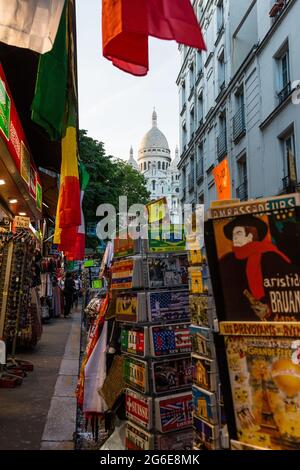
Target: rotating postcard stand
x=152, y=307
x=254, y=255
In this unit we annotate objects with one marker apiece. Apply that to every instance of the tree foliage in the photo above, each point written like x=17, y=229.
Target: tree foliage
x=110, y=178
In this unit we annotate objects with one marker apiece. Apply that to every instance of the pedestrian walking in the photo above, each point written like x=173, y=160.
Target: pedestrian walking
x=69, y=289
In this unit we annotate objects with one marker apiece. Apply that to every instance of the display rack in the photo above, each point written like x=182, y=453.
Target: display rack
x=152, y=308
x=210, y=430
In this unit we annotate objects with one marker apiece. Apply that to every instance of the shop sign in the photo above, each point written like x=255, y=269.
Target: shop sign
x=21, y=222
x=97, y=284
x=25, y=164
x=4, y=110
x=38, y=196
x=33, y=182
x=11, y=128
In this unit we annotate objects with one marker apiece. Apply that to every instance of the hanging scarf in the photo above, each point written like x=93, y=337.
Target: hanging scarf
x=93, y=338
x=253, y=252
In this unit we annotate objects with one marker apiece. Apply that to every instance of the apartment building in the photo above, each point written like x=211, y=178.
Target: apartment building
x=238, y=99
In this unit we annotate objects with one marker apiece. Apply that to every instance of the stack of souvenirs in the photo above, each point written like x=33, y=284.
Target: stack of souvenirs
x=253, y=251
x=153, y=310
x=209, y=422
x=20, y=320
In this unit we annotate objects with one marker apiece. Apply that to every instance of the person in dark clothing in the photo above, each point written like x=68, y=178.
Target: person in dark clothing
x=69, y=289
x=249, y=268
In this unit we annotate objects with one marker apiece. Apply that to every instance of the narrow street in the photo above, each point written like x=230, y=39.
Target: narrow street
x=41, y=413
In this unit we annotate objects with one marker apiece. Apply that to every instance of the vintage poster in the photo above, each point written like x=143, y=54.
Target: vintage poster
x=139, y=408
x=202, y=341
x=134, y=341
x=204, y=372
x=174, y=412
x=180, y=440
x=168, y=306
x=206, y=436
x=170, y=339
x=172, y=374
x=265, y=387
x=196, y=256
x=199, y=309
x=162, y=240
x=259, y=259
x=136, y=374
x=131, y=307
x=205, y=405
x=168, y=271
x=138, y=439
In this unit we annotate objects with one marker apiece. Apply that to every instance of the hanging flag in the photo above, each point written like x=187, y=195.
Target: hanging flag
x=222, y=180
x=68, y=215
x=49, y=103
x=77, y=238
x=126, y=25
x=30, y=24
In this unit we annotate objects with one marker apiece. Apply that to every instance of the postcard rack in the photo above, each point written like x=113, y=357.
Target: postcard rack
x=152, y=309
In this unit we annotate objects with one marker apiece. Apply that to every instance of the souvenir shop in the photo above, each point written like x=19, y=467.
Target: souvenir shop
x=23, y=272
x=195, y=345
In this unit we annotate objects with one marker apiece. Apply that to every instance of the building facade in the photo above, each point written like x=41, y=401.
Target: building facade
x=154, y=161
x=237, y=100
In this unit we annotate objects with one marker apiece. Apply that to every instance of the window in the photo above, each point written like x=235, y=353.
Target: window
x=200, y=109
x=199, y=62
x=163, y=165
x=158, y=165
x=221, y=71
x=289, y=161
x=239, y=122
x=242, y=189
x=283, y=73
x=192, y=123
x=184, y=137
x=183, y=97
x=162, y=189
x=220, y=16
x=191, y=77
x=145, y=166
x=148, y=165
x=200, y=161
x=153, y=185
x=222, y=137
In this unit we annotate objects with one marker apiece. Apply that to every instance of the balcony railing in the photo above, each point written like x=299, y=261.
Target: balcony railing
x=242, y=191
x=191, y=182
x=222, y=144
x=284, y=93
x=239, y=124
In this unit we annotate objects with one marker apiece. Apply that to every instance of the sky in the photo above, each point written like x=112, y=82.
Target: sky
x=115, y=107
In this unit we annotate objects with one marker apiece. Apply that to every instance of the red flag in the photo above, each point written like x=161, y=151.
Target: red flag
x=126, y=25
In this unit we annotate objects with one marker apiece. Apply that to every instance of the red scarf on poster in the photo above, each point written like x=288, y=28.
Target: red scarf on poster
x=253, y=252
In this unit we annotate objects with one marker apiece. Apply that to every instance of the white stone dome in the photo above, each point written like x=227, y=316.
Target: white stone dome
x=154, y=141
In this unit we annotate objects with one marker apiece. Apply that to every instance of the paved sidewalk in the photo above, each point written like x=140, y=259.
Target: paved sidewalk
x=61, y=420
x=24, y=417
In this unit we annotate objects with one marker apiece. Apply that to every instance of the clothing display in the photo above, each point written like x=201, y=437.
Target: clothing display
x=20, y=313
